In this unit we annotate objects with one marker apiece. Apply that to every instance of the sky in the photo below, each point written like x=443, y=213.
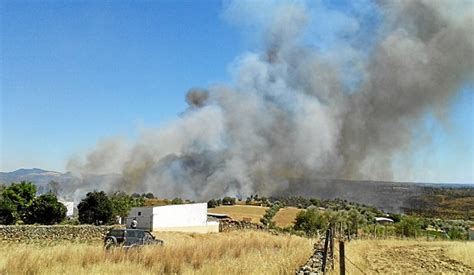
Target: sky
x=73, y=73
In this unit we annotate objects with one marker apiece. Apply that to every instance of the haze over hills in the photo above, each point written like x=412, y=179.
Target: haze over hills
x=389, y=196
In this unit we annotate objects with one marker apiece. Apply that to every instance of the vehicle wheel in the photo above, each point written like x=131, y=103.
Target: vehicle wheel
x=109, y=243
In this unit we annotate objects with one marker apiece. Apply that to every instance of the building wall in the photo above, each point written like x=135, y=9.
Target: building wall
x=171, y=217
x=181, y=215
x=143, y=215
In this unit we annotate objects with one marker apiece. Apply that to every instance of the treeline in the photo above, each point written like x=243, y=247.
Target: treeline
x=19, y=204
x=350, y=219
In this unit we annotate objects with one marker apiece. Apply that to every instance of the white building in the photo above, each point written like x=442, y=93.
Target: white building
x=180, y=217
x=69, y=206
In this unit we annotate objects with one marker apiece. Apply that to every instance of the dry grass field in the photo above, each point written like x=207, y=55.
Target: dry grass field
x=244, y=252
x=286, y=216
x=239, y=212
x=409, y=257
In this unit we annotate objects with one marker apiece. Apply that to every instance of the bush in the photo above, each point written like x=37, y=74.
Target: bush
x=96, y=208
x=45, y=209
x=310, y=221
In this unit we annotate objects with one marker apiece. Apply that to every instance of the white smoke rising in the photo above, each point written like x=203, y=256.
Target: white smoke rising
x=289, y=113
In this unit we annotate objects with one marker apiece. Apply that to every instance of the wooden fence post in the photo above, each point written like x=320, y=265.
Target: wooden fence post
x=326, y=243
x=331, y=245
x=342, y=262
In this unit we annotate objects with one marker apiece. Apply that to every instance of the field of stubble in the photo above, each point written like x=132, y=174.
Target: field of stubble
x=244, y=252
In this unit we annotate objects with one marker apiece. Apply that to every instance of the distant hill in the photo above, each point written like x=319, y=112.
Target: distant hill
x=36, y=175
x=68, y=183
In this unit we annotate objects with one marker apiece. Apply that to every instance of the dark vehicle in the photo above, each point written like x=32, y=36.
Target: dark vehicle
x=128, y=238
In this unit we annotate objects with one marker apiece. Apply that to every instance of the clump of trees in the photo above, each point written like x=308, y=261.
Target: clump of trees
x=18, y=203
x=214, y=203
x=228, y=201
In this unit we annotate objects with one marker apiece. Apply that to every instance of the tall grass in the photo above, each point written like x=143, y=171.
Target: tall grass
x=247, y=252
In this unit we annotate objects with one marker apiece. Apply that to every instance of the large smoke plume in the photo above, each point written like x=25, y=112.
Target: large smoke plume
x=291, y=113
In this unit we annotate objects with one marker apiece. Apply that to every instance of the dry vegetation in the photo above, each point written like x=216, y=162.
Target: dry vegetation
x=239, y=212
x=245, y=252
x=409, y=257
x=286, y=216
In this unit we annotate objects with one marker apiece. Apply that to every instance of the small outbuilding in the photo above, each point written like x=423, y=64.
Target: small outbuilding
x=181, y=217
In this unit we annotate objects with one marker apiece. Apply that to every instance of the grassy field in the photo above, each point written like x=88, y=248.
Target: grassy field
x=283, y=218
x=286, y=216
x=408, y=257
x=239, y=212
x=245, y=252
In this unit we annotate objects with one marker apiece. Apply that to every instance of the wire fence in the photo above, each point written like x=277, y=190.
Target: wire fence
x=351, y=262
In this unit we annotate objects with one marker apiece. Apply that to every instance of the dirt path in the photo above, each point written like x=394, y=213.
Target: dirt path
x=414, y=259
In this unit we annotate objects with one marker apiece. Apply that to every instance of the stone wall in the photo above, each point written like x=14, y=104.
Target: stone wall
x=314, y=264
x=226, y=225
x=52, y=232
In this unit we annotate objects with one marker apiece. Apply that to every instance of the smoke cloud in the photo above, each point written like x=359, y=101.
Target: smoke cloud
x=299, y=111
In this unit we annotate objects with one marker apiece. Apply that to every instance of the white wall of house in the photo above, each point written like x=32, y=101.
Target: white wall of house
x=181, y=217
x=69, y=206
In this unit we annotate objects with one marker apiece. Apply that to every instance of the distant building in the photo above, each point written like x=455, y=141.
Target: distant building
x=383, y=220
x=180, y=217
x=69, y=206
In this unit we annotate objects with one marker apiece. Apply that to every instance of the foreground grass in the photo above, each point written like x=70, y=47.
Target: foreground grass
x=245, y=252
x=408, y=257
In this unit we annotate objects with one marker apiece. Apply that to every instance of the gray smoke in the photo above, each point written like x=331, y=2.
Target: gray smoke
x=197, y=98
x=289, y=113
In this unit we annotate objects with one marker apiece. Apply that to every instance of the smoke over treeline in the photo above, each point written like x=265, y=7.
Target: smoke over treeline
x=297, y=111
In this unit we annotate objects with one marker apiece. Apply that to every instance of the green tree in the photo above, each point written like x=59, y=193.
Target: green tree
x=7, y=212
x=17, y=197
x=310, y=221
x=45, y=209
x=228, y=201
x=212, y=203
x=122, y=203
x=95, y=208
x=149, y=195
x=409, y=226
x=354, y=220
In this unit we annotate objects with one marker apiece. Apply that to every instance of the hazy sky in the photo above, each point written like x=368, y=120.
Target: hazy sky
x=75, y=72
